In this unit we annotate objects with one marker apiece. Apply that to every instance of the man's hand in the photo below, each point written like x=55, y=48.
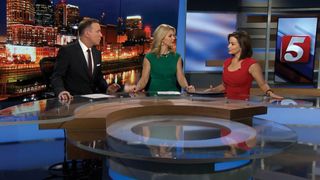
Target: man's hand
x=113, y=88
x=65, y=95
x=65, y=102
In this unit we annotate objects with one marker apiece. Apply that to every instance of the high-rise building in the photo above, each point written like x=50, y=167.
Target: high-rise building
x=21, y=29
x=44, y=13
x=66, y=16
x=133, y=22
x=60, y=18
x=59, y=14
x=134, y=30
x=147, y=31
x=73, y=15
x=20, y=12
x=109, y=34
x=3, y=40
x=20, y=34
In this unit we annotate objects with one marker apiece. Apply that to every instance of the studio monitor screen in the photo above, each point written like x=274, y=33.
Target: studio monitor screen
x=295, y=50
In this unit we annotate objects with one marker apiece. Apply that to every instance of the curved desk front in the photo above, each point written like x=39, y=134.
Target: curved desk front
x=166, y=129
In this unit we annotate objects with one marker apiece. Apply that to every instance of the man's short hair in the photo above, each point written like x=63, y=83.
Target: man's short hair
x=85, y=23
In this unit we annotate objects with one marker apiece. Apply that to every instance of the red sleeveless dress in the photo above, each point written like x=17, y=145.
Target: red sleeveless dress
x=238, y=83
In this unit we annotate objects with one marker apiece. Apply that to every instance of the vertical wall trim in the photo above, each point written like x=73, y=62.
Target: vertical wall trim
x=181, y=34
x=266, y=67
x=318, y=84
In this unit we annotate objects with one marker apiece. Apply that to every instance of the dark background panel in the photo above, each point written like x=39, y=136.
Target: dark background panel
x=213, y=5
x=3, y=17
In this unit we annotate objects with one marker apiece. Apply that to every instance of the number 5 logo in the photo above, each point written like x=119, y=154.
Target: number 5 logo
x=295, y=49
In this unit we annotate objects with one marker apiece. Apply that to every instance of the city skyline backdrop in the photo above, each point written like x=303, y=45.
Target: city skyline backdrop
x=153, y=13
x=28, y=36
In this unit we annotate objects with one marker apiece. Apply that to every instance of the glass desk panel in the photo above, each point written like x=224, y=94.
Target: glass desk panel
x=217, y=139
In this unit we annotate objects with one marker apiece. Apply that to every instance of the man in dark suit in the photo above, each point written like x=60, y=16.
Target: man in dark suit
x=78, y=67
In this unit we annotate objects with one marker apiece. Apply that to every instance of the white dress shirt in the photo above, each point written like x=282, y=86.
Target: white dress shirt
x=85, y=52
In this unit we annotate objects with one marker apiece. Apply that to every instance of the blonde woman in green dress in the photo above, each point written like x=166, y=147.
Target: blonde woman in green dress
x=163, y=66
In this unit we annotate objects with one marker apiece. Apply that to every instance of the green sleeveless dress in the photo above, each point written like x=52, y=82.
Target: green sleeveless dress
x=163, y=72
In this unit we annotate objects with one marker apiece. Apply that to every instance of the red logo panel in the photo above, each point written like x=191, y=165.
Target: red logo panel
x=295, y=49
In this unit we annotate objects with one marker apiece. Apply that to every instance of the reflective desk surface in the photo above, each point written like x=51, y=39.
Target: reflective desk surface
x=182, y=136
x=54, y=110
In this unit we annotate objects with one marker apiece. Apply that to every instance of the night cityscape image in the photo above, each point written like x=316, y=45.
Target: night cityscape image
x=31, y=32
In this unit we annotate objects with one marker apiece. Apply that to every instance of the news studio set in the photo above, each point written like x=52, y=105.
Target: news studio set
x=129, y=135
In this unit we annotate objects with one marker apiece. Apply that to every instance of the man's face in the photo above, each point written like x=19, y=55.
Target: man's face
x=94, y=34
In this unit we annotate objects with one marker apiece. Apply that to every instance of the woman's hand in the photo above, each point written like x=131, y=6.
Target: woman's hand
x=218, y=89
x=133, y=88
x=190, y=89
x=274, y=96
x=209, y=90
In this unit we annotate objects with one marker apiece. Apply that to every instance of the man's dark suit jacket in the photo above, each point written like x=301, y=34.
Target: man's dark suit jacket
x=71, y=72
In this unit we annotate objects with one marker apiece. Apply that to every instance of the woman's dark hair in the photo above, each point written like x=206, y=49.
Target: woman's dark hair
x=244, y=42
x=85, y=23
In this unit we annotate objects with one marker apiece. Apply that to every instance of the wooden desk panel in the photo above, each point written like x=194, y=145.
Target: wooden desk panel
x=98, y=115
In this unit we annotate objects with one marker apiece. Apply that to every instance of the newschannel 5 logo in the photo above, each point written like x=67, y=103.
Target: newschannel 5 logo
x=295, y=49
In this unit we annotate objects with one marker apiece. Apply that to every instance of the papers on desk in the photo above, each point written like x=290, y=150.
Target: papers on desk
x=168, y=93
x=97, y=96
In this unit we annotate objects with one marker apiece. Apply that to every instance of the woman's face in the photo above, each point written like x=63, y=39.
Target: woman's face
x=169, y=39
x=234, y=46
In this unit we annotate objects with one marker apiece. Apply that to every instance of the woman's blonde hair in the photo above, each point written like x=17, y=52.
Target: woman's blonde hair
x=158, y=35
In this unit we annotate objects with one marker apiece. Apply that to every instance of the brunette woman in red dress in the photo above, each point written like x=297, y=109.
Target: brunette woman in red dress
x=240, y=70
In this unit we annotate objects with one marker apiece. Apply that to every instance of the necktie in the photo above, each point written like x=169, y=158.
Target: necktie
x=89, y=62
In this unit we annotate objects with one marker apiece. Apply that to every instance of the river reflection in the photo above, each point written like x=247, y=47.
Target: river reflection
x=123, y=78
